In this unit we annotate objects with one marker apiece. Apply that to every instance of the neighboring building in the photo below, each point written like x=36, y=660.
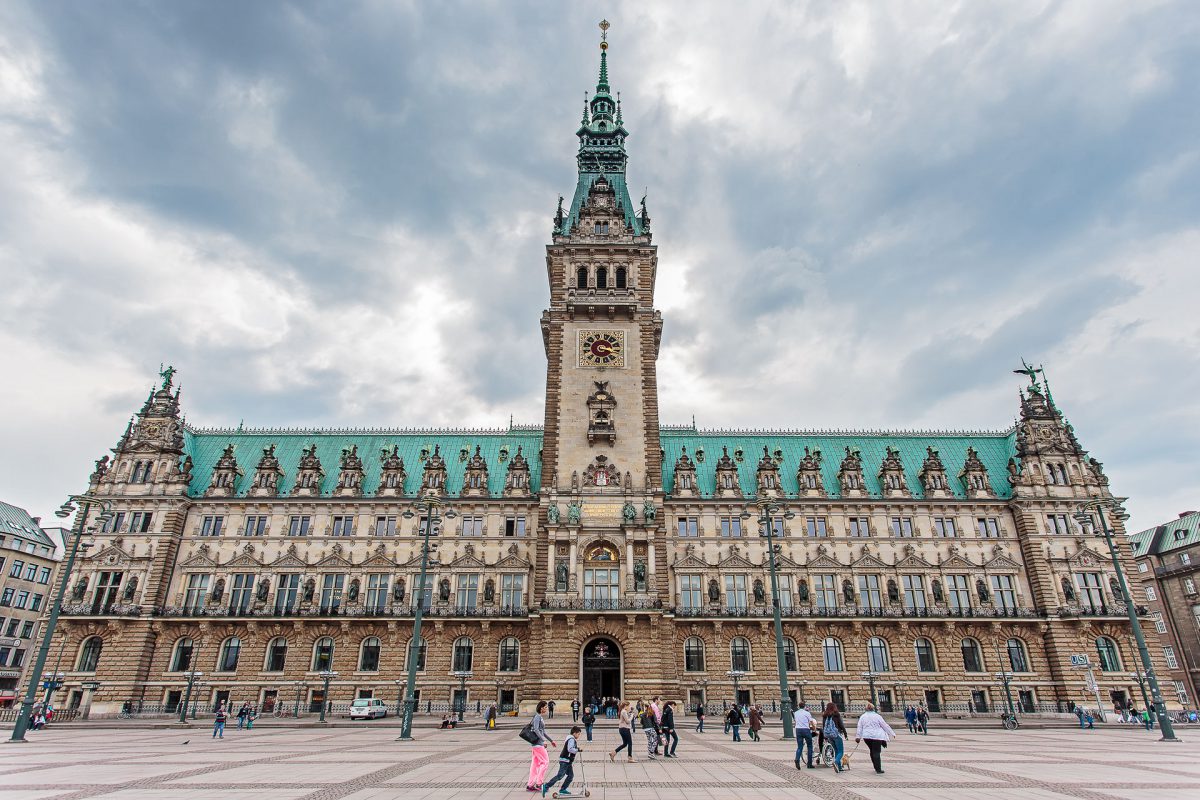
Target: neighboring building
x=1168, y=566
x=600, y=553
x=27, y=567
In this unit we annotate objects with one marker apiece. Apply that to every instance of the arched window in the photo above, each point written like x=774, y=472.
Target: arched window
x=1017, y=660
x=464, y=654
x=227, y=659
x=972, y=656
x=601, y=278
x=790, y=662
x=926, y=658
x=277, y=654
x=832, y=651
x=581, y=278
x=181, y=658
x=739, y=654
x=422, y=647
x=89, y=654
x=1110, y=659
x=322, y=654
x=877, y=654
x=621, y=280
x=510, y=654
x=693, y=654
x=368, y=655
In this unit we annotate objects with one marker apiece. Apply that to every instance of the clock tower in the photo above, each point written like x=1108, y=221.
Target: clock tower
x=601, y=452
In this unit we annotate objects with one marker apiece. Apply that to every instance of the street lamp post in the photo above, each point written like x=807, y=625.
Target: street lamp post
x=85, y=503
x=737, y=675
x=432, y=505
x=1084, y=518
x=1005, y=678
x=1141, y=682
x=462, y=676
x=399, y=694
x=900, y=686
x=326, y=676
x=869, y=676
x=800, y=684
x=766, y=508
x=296, y=708
x=191, y=676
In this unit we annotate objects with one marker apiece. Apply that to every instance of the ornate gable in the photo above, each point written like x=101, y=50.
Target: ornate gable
x=512, y=560
x=808, y=475
x=911, y=560
x=824, y=560
x=244, y=559
x=850, y=475
x=689, y=560
x=350, y=476
x=266, y=474
x=685, y=477
x=517, y=482
x=379, y=559
x=475, y=478
x=335, y=559
x=868, y=560
x=728, y=484
x=601, y=474
x=225, y=475
x=200, y=559
x=392, y=474
x=767, y=476
x=289, y=558
x=111, y=555
x=309, y=475
x=433, y=481
x=955, y=560
x=734, y=558
x=974, y=476
x=933, y=475
x=1000, y=561
x=468, y=559
x=1086, y=557
x=891, y=475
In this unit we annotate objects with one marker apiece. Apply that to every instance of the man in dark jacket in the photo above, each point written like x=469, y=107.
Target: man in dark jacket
x=734, y=720
x=670, y=737
x=575, y=710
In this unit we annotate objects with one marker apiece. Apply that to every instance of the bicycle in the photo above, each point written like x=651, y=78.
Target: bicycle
x=1009, y=721
x=282, y=712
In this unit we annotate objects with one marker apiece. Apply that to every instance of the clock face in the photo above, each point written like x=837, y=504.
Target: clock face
x=602, y=348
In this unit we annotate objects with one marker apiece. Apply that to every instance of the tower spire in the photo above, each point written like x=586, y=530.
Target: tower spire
x=602, y=83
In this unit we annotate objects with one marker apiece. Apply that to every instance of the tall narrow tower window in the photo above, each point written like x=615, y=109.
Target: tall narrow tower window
x=620, y=277
x=581, y=278
x=602, y=278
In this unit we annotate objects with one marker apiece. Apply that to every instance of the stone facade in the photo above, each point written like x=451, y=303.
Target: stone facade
x=28, y=571
x=600, y=552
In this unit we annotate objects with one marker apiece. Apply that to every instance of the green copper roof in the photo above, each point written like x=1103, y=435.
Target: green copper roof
x=16, y=521
x=1164, y=538
x=994, y=450
x=206, y=446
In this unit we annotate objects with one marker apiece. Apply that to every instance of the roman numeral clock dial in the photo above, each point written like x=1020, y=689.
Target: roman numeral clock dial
x=602, y=348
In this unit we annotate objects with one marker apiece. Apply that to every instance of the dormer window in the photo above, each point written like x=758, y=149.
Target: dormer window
x=1058, y=474
x=601, y=228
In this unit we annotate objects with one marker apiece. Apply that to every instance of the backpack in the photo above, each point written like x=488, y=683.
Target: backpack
x=648, y=720
x=831, y=729
x=588, y=717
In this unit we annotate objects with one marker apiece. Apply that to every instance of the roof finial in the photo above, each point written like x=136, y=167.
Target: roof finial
x=602, y=84
x=619, y=121
x=585, y=107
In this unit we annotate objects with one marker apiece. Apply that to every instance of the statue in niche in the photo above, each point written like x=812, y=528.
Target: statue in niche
x=574, y=513
x=714, y=591
x=489, y=591
x=444, y=590
x=80, y=589
x=264, y=586
x=553, y=515
x=560, y=575
x=629, y=513
x=218, y=590
x=639, y=574
x=803, y=591
x=1115, y=588
x=848, y=592
x=310, y=589
x=575, y=480
x=893, y=592
x=131, y=589
x=398, y=591
x=938, y=595
x=760, y=593
x=649, y=512
x=1068, y=590
x=352, y=594
x=982, y=590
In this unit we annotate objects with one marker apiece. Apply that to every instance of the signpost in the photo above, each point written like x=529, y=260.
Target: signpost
x=1082, y=662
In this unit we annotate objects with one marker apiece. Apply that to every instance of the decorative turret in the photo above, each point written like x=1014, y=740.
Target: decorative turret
x=728, y=484
x=149, y=459
x=392, y=474
x=350, y=476
x=933, y=475
x=266, y=475
x=1050, y=461
x=808, y=475
x=516, y=482
x=433, y=482
x=974, y=477
x=767, y=474
x=225, y=475
x=891, y=475
x=475, y=479
x=850, y=475
x=685, y=477
x=309, y=475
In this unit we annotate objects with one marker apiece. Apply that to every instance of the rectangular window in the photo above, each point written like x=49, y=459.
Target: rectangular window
x=44, y=575
x=858, y=527
x=15, y=570
x=285, y=593
x=869, y=595
x=944, y=527
x=1004, y=594
x=423, y=524
x=512, y=591
x=988, y=527
x=385, y=526
x=958, y=596
x=825, y=592
x=196, y=593
x=22, y=599
x=35, y=602
x=331, y=590
x=242, y=594
x=1160, y=625
x=139, y=521
x=785, y=592
x=1189, y=586
x=1169, y=654
x=1185, y=559
x=343, y=525
x=690, y=592
x=902, y=527
x=7, y=597
x=211, y=525
x=256, y=525
x=472, y=526
x=731, y=527
x=299, y=525
x=514, y=526
x=1058, y=524
x=107, y=587
x=116, y=524
x=27, y=629
x=914, y=592
x=601, y=584
x=1143, y=566
x=467, y=591
x=377, y=591
x=30, y=571
x=423, y=594
x=687, y=527
x=815, y=527
x=735, y=593
x=1091, y=596
x=1151, y=594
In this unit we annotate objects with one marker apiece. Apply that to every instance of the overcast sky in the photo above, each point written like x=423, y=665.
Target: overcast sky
x=867, y=214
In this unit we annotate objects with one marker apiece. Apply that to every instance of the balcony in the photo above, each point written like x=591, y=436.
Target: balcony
x=616, y=604
x=340, y=611
x=1173, y=570
x=110, y=610
x=1114, y=610
x=608, y=300
x=857, y=612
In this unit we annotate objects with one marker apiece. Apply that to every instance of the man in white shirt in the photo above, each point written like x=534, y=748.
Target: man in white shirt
x=804, y=733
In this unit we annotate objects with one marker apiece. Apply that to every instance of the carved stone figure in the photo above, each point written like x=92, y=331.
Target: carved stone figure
x=444, y=590
x=760, y=593
x=130, y=589
x=714, y=591
x=639, y=574
x=629, y=513
x=398, y=591
x=938, y=595
x=310, y=589
x=489, y=591
x=553, y=515
x=893, y=592
x=574, y=513
x=352, y=594
x=649, y=511
x=218, y=590
x=1068, y=590
x=80, y=589
x=982, y=590
x=803, y=591
x=101, y=469
x=263, y=587
x=848, y=592
x=575, y=479
x=185, y=469
x=560, y=574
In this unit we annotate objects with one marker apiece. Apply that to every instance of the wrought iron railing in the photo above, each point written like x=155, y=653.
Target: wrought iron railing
x=309, y=612
x=110, y=610
x=897, y=612
x=615, y=604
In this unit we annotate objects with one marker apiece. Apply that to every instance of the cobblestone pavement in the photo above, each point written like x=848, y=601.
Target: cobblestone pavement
x=366, y=763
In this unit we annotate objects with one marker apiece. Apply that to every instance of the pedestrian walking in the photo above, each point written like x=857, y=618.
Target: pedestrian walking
x=575, y=710
x=834, y=731
x=489, y=718
x=1089, y=719
x=625, y=728
x=803, y=722
x=670, y=737
x=1079, y=716
x=1147, y=720
x=250, y=717
x=540, y=759
x=566, y=764
x=875, y=730
x=910, y=719
x=243, y=712
x=649, y=725
x=656, y=707
x=700, y=717
x=550, y=706
x=923, y=720
x=589, y=719
x=733, y=721
x=756, y=723
x=219, y=722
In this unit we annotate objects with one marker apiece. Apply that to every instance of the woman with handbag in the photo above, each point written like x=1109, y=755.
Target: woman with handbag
x=625, y=728
x=535, y=734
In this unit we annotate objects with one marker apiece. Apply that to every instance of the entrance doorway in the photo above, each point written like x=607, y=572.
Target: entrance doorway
x=1119, y=699
x=601, y=670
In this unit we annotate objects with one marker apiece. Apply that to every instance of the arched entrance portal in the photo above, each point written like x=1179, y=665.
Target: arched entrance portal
x=601, y=670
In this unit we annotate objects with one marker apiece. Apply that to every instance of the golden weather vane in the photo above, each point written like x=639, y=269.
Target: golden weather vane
x=604, y=26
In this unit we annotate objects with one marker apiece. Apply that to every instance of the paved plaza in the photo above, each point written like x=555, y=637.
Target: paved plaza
x=366, y=763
